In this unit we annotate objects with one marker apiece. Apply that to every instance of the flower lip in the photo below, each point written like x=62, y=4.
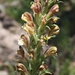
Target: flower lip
x=20, y=42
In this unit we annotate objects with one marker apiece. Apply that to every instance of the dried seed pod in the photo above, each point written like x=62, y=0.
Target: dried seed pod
x=27, y=17
x=50, y=51
x=22, y=68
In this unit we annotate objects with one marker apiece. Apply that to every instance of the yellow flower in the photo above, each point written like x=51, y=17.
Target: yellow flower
x=30, y=28
x=22, y=68
x=24, y=40
x=51, y=51
x=53, y=30
x=54, y=20
x=46, y=37
x=27, y=17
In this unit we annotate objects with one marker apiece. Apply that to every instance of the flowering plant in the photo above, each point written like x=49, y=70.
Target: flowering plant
x=40, y=27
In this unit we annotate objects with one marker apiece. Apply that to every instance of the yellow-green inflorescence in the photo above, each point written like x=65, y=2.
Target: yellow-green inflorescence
x=40, y=27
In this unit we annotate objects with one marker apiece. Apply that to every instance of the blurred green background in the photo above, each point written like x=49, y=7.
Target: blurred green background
x=65, y=40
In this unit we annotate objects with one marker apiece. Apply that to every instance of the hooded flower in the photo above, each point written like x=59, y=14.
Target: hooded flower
x=27, y=17
x=23, y=52
x=30, y=28
x=24, y=40
x=53, y=10
x=22, y=68
x=51, y=51
x=36, y=7
x=53, y=30
x=54, y=20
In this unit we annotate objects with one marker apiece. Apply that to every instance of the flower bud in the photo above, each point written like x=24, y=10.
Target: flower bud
x=27, y=17
x=53, y=10
x=36, y=7
x=22, y=68
x=51, y=51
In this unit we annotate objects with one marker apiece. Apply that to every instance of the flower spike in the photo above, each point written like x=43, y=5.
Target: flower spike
x=40, y=28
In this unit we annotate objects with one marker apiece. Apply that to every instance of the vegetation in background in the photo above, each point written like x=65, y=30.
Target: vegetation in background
x=15, y=11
